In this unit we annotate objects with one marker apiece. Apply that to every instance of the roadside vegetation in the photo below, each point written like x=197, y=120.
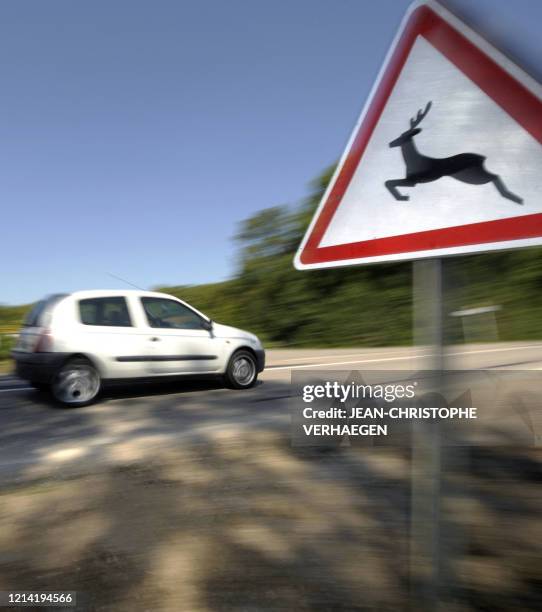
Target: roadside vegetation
x=358, y=306
x=361, y=305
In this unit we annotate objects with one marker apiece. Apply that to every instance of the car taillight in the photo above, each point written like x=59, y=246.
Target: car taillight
x=44, y=343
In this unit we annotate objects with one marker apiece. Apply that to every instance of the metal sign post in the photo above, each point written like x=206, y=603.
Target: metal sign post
x=426, y=576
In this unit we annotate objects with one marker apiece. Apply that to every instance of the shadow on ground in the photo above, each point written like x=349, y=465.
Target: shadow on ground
x=250, y=523
x=234, y=518
x=36, y=432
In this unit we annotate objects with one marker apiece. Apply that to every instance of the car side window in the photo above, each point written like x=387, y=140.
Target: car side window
x=164, y=313
x=108, y=311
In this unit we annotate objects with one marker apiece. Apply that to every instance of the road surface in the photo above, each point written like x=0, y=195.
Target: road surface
x=131, y=422
x=188, y=496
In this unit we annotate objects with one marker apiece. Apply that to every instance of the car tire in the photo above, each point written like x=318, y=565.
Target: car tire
x=242, y=370
x=76, y=383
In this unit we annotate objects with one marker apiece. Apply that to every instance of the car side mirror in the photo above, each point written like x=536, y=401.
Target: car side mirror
x=208, y=325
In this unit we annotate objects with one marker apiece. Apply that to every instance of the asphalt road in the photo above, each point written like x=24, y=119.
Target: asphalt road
x=129, y=423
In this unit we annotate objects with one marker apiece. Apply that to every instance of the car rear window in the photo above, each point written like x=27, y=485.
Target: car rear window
x=108, y=311
x=38, y=315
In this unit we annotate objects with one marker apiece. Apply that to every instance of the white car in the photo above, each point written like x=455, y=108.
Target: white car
x=73, y=343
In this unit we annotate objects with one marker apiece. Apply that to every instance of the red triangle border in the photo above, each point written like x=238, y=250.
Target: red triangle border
x=514, y=97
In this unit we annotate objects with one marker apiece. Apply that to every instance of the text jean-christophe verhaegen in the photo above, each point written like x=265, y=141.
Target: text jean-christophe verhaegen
x=385, y=395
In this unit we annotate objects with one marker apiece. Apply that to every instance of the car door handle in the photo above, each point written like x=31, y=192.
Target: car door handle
x=154, y=339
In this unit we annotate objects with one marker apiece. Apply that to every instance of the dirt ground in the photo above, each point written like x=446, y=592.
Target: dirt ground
x=254, y=524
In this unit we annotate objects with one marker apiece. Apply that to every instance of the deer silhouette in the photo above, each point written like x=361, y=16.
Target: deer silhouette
x=465, y=167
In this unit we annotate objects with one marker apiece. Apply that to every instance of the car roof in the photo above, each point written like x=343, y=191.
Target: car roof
x=96, y=293
x=93, y=293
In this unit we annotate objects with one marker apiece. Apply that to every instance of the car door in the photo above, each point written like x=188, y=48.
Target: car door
x=108, y=331
x=181, y=342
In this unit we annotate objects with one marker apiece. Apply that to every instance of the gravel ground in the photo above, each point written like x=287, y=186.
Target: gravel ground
x=253, y=524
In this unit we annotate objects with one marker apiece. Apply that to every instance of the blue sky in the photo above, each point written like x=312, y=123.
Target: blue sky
x=135, y=136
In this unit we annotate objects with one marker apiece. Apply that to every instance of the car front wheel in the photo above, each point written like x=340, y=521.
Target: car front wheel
x=242, y=371
x=77, y=383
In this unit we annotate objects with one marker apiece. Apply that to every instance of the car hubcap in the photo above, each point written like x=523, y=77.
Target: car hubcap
x=76, y=384
x=243, y=370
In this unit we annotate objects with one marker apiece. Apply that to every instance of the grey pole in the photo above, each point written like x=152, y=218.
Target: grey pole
x=426, y=478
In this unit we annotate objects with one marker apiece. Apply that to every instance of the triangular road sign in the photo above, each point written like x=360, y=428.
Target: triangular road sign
x=446, y=157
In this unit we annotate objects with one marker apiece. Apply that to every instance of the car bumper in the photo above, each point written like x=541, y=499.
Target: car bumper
x=260, y=359
x=37, y=367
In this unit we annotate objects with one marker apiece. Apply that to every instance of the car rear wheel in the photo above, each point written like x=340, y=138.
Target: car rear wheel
x=77, y=383
x=242, y=371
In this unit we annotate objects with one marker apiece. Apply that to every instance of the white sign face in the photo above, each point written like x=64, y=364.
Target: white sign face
x=446, y=158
